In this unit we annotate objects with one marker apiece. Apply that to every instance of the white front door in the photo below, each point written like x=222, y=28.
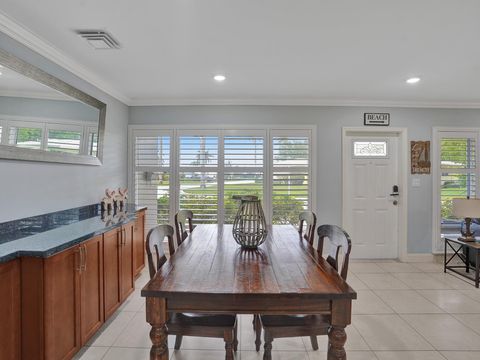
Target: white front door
x=371, y=208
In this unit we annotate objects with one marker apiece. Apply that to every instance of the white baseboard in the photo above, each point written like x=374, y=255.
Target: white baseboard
x=417, y=258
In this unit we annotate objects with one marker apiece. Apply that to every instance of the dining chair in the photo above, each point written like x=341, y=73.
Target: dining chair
x=280, y=326
x=182, y=324
x=183, y=218
x=307, y=219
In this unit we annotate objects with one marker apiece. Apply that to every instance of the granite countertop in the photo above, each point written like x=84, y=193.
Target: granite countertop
x=49, y=234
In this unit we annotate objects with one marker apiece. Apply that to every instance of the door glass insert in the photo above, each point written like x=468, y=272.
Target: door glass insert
x=369, y=149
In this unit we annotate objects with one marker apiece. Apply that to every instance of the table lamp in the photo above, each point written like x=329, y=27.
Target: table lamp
x=468, y=209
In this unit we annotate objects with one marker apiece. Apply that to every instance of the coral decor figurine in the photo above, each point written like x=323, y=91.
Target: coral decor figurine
x=108, y=201
x=120, y=198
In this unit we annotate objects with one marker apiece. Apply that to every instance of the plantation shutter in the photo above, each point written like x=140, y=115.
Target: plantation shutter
x=198, y=176
x=152, y=175
x=458, y=170
x=244, y=169
x=291, y=175
x=63, y=138
x=458, y=176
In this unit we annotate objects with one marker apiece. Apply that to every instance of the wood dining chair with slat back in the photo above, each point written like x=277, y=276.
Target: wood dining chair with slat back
x=155, y=249
x=183, y=225
x=179, y=324
x=280, y=326
x=307, y=219
x=308, y=222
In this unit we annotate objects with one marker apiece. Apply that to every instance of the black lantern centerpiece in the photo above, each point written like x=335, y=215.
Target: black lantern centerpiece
x=249, y=226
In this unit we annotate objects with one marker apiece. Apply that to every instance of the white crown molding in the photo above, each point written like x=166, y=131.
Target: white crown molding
x=302, y=102
x=26, y=37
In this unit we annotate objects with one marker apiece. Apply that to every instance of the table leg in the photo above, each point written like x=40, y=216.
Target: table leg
x=477, y=269
x=336, y=341
x=467, y=263
x=445, y=256
x=157, y=317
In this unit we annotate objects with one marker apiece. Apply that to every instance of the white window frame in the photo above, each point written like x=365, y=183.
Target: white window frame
x=237, y=169
x=132, y=168
x=65, y=127
x=29, y=125
x=215, y=130
x=289, y=133
x=437, y=134
x=215, y=169
x=87, y=130
x=4, y=136
x=8, y=121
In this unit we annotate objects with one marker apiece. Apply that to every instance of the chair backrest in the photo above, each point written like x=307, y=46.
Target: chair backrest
x=310, y=220
x=338, y=240
x=154, y=246
x=183, y=218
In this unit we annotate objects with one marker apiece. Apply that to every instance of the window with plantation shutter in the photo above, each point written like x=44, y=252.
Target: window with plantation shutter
x=65, y=139
x=244, y=170
x=458, y=167
x=198, y=177
x=202, y=170
x=290, y=176
x=92, y=141
x=152, y=175
x=26, y=136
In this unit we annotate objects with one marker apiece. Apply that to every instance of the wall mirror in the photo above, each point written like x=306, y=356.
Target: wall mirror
x=42, y=118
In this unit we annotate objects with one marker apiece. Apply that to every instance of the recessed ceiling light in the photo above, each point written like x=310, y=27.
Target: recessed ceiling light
x=413, y=80
x=219, y=78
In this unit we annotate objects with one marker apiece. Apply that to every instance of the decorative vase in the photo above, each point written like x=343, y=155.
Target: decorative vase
x=249, y=226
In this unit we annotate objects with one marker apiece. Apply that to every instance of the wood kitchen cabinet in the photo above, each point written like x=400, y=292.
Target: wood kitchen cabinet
x=111, y=270
x=10, y=310
x=91, y=289
x=118, y=266
x=127, y=281
x=62, y=301
x=139, y=243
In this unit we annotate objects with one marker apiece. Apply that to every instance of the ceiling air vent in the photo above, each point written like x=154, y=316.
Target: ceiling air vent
x=99, y=40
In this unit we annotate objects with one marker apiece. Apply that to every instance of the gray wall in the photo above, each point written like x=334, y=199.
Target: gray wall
x=48, y=109
x=31, y=188
x=330, y=121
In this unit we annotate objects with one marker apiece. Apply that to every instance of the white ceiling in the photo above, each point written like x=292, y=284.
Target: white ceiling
x=272, y=51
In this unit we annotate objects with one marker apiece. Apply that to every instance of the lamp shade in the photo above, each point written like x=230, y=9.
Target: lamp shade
x=466, y=208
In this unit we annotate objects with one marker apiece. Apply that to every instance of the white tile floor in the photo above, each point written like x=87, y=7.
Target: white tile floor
x=404, y=311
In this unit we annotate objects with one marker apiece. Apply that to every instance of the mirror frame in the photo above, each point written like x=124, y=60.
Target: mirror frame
x=15, y=153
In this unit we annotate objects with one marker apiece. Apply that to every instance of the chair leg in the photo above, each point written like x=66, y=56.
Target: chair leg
x=267, y=353
x=235, y=337
x=228, y=337
x=313, y=340
x=258, y=332
x=254, y=321
x=178, y=342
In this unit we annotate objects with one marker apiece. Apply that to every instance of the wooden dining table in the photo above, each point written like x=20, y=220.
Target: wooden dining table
x=211, y=273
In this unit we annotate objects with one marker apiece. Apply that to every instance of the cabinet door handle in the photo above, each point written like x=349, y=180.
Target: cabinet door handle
x=124, y=237
x=84, y=258
x=119, y=238
x=79, y=262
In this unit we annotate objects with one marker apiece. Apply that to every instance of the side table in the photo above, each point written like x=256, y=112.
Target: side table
x=457, y=245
